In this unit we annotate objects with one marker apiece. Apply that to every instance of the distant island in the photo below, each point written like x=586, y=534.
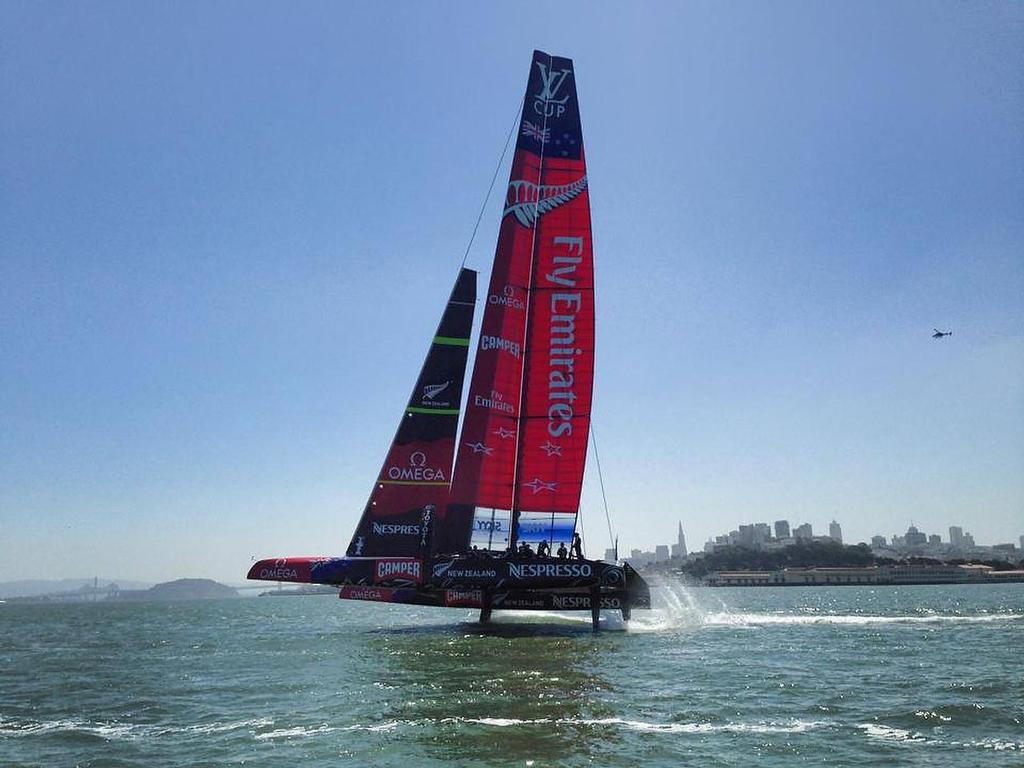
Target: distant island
x=180, y=589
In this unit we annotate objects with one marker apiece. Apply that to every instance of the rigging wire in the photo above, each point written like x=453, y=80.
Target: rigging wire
x=479, y=218
x=497, y=170
x=600, y=478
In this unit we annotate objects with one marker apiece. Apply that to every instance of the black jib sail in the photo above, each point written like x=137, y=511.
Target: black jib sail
x=410, y=496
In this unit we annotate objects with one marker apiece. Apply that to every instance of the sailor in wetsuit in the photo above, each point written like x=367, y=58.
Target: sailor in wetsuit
x=577, y=546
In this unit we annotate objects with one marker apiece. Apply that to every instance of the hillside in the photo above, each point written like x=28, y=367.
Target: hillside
x=181, y=589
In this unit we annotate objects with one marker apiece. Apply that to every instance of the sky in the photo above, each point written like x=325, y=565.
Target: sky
x=227, y=231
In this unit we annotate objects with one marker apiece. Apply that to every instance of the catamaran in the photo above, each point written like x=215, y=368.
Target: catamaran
x=469, y=535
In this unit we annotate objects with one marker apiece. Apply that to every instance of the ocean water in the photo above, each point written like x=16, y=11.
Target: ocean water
x=849, y=676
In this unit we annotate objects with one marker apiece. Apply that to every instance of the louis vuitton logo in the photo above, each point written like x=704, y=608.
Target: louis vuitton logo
x=546, y=102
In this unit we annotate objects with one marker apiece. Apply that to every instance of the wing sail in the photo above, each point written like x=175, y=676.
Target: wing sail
x=523, y=446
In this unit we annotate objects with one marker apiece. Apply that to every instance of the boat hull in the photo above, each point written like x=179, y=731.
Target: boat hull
x=498, y=583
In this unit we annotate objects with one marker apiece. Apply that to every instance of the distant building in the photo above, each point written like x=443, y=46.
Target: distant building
x=1022, y=542
x=609, y=555
x=661, y=553
x=803, y=532
x=934, y=540
x=679, y=548
x=762, y=533
x=1003, y=548
x=709, y=546
x=835, y=532
x=890, y=574
x=782, y=529
x=878, y=542
x=638, y=559
x=746, y=537
x=915, y=538
x=956, y=536
x=969, y=541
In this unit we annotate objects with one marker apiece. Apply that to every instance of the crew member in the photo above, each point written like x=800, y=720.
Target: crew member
x=543, y=550
x=577, y=546
x=562, y=551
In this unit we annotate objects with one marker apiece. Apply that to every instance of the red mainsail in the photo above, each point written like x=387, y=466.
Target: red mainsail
x=523, y=446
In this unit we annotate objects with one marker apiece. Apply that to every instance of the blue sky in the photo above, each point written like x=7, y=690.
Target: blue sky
x=227, y=230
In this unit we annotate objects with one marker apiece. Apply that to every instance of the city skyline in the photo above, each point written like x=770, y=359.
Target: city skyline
x=755, y=533
x=225, y=240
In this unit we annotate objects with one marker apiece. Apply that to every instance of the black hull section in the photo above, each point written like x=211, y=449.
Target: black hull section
x=494, y=583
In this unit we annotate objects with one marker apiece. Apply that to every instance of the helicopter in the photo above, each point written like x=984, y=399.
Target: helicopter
x=939, y=334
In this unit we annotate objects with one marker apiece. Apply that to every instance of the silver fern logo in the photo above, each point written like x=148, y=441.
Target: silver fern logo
x=431, y=391
x=528, y=201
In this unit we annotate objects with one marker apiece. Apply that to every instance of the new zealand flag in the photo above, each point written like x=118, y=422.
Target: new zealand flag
x=551, y=116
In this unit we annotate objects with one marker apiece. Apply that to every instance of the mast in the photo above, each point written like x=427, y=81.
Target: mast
x=516, y=509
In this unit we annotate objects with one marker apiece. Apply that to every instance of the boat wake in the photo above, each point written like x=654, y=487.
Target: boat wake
x=678, y=607
x=768, y=619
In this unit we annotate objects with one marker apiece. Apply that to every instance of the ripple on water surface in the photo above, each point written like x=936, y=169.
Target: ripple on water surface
x=848, y=676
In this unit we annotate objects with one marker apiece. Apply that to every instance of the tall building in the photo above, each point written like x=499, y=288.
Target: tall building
x=915, y=538
x=762, y=532
x=803, y=531
x=878, y=542
x=934, y=540
x=835, y=532
x=679, y=548
x=956, y=536
x=782, y=529
x=968, y=540
x=661, y=553
x=609, y=555
x=1022, y=542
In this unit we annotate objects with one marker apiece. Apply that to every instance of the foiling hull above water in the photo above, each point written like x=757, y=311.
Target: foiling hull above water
x=498, y=583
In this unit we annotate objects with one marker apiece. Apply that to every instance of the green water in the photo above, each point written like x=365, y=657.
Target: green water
x=930, y=676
